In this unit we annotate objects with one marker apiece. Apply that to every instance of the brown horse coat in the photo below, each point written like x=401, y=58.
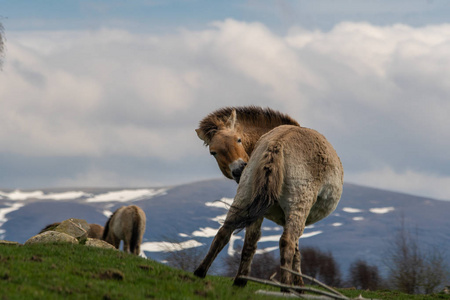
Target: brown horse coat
x=293, y=177
x=127, y=223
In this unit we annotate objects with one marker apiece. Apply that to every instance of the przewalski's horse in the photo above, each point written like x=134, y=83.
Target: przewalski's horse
x=286, y=173
x=127, y=223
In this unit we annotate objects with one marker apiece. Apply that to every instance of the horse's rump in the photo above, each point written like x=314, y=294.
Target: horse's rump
x=286, y=158
x=138, y=226
x=127, y=223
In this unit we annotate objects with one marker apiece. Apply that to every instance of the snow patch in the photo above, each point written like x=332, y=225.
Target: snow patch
x=222, y=203
x=205, y=232
x=127, y=195
x=271, y=228
x=233, y=238
x=352, y=210
x=265, y=250
x=381, y=210
x=169, y=247
x=271, y=238
x=65, y=195
x=310, y=234
x=20, y=196
x=4, y=212
x=219, y=219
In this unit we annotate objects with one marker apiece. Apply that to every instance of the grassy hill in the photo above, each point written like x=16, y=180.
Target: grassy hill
x=64, y=271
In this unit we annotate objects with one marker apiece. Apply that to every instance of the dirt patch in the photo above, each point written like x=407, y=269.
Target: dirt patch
x=186, y=278
x=4, y=276
x=36, y=258
x=111, y=274
x=201, y=293
x=146, y=268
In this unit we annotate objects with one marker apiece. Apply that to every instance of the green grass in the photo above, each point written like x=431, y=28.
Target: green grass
x=63, y=271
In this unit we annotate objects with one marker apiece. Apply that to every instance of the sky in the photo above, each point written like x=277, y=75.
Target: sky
x=109, y=93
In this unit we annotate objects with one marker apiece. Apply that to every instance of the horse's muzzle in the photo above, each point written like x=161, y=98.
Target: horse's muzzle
x=237, y=172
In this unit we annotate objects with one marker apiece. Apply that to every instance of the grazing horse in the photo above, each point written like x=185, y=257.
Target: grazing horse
x=127, y=223
x=286, y=173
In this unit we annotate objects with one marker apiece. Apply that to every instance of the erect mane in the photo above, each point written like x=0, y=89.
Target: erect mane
x=247, y=116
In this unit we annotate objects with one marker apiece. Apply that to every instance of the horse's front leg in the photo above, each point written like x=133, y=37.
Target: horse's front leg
x=220, y=240
x=252, y=236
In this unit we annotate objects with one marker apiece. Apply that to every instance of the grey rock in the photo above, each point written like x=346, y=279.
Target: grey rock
x=9, y=243
x=99, y=244
x=49, y=237
x=77, y=228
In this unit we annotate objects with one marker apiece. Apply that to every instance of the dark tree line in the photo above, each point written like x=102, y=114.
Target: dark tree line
x=413, y=267
x=411, y=270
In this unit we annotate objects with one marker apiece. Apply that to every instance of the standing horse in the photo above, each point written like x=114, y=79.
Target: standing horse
x=127, y=223
x=286, y=173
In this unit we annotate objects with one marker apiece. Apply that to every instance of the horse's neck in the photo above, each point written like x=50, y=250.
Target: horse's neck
x=252, y=135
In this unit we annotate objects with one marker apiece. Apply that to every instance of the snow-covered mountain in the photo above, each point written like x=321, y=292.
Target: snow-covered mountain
x=188, y=216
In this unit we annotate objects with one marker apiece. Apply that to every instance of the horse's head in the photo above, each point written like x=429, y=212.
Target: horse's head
x=225, y=144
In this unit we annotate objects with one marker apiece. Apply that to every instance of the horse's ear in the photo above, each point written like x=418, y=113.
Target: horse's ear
x=201, y=135
x=231, y=122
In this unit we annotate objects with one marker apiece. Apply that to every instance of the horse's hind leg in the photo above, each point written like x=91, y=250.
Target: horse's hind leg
x=289, y=252
x=220, y=240
x=297, y=280
x=126, y=243
x=252, y=236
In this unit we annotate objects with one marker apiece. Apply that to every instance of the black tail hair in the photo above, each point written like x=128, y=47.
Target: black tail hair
x=135, y=232
x=269, y=180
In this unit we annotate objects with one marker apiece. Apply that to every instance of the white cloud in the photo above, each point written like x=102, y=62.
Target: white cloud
x=411, y=182
x=379, y=94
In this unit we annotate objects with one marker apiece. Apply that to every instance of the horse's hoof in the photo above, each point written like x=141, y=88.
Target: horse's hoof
x=200, y=273
x=240, y=282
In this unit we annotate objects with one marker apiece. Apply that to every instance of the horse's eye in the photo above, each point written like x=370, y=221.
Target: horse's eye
x=213, y=153
x=239, y=140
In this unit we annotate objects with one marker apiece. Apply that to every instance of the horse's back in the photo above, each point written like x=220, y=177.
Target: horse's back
x=307, y=154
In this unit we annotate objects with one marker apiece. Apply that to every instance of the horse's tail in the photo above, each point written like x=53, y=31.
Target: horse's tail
x=266, y=185
x=106, y=229
x=135, y=231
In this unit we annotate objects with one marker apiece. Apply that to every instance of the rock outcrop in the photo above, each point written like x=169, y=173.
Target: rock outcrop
x=73, y=231
x=50, y=237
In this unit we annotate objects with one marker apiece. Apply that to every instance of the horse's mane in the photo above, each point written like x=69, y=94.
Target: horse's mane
x=252, y=116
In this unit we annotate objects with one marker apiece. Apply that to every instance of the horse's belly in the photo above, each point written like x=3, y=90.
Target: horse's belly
x=326, y=203
x=276, y=214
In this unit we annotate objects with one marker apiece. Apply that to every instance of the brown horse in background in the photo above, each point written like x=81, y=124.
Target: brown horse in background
x=127, y=223
x=95, y=231
x=286, y=173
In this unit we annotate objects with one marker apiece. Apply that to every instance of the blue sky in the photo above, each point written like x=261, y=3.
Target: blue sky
x=108, y=93
x=166, y=16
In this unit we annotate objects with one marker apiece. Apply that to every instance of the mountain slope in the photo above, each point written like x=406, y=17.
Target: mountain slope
x=188, y=215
